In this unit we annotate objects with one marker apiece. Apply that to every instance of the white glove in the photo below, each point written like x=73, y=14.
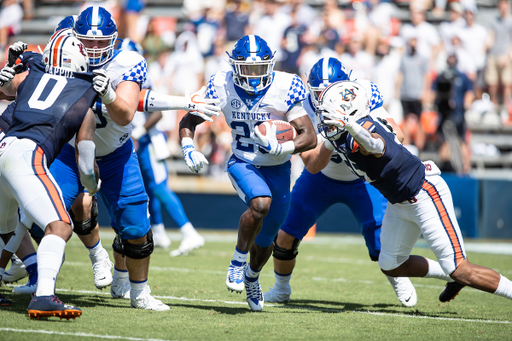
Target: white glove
x=101, y=84
x=200, y=106
x=194, y=159
x=6, y=76
x=15, y=50
x=269, y=142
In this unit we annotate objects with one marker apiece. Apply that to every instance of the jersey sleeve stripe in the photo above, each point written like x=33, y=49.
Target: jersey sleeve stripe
x=51, y=188
x=445, y=221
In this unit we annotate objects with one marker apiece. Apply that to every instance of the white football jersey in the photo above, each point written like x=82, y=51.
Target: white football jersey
x=124, y=66
x=244, y=112
x=339, y=167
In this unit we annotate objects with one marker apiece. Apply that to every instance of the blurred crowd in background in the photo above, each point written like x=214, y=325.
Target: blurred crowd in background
x=454, y=67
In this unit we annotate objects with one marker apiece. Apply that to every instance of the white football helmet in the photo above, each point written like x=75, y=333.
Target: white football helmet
x=66, y=52
x=344, y=98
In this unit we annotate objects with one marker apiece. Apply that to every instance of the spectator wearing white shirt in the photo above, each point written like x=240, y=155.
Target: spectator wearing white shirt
x=447, y=29
x=475, y=39
x=357, y=60
x=426, y=34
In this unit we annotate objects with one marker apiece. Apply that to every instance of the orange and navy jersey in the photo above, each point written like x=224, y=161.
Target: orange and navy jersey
x=51, y=105
x=398, y=174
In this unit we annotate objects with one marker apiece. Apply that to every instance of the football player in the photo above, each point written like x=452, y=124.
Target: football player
x=152, y=151
x=37, y=135
x=419, y=201
x=118, y=77
x=327, y=181
x=259, y=168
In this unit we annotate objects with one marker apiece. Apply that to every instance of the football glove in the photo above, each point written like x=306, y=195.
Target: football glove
x=15, y=50
x=101, y=84
x=203, y=107
x=6, y=76
x=269, y=142
x=195, y=160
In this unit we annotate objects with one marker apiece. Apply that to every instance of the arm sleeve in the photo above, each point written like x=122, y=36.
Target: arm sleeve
x=86, y=158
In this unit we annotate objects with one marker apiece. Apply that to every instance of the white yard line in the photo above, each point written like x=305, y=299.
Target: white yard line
x=111, y=337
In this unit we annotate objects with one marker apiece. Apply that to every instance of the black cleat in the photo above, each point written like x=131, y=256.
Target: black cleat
x=4, y=302
x=452, y=289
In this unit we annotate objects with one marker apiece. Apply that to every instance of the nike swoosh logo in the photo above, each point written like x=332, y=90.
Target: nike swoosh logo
x=264, y=105
x=282, y=131
x=407, y=300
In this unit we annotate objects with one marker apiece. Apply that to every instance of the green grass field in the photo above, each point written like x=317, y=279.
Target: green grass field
x=337, y=293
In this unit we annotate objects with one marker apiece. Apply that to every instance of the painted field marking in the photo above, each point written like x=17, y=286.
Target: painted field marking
x=111, y=337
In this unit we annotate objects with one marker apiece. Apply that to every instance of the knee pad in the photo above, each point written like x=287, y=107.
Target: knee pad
x=284, y=254
x=139, y=251
x=85, y=227
x=36, y=233
x=117, y=245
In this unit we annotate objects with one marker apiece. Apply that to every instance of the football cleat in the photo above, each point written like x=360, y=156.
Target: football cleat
x=404, y=290
x=4, y=302
x=102, y=268
x=160, y=238
x=254, y=293
x=145, y=301
x=16, y=271
x=451, y=290
x=47, y=306
x=235, y=276
x=31, y=286
x=120, y=289
x=278, y=294
x=189, y=243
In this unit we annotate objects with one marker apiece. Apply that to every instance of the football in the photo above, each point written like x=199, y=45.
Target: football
x=284, y=132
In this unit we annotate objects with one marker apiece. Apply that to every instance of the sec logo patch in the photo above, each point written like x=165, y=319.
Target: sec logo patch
x=236, y=104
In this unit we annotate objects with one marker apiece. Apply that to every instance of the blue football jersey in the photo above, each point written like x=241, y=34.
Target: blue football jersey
x=398, y=174
x=51, y=107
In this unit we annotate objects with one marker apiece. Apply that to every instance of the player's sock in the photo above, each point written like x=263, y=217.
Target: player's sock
x=435, y=271
x=49, y=260
x=137, y=287
x=504, y=288
x=240, y=256
x=30, y=259
x=96, y=249
x=120, y=274
x=251, y=273
x=282, y=280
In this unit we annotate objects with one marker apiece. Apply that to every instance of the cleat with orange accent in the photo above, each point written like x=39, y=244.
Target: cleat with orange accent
x=452, y=289
x=4, y=302
x=48, y=306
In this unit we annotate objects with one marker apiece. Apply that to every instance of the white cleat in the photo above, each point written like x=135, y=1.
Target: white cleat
x=28, y=289
x=278, y=294
x=235, y=276
x=120, y=289
x=189, y=243
x=161, y=240
x=254, y=293
x=404, y=290
x=148, y=302
x=16, y=272
x=102, y=268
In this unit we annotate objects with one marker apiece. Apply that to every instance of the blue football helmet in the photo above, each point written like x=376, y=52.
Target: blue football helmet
x=67, y=22
x=129, y=45
x=253, y=62
x=323, y=73
x=97, y=30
